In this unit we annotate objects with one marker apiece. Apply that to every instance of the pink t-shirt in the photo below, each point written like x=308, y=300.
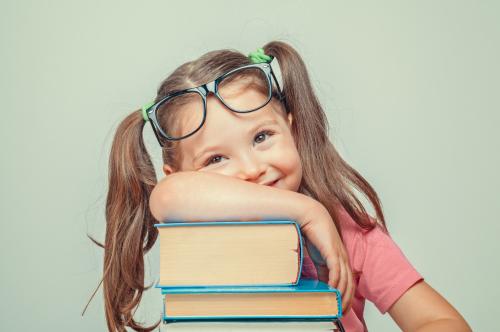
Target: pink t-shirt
x=385, y=273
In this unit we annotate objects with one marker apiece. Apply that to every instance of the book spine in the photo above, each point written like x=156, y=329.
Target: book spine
x=301, y=256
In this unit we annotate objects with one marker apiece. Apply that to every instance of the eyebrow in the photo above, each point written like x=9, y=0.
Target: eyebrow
x=254, y=128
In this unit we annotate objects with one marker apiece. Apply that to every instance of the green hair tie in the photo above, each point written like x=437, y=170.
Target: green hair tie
x=259, y=56
x=145, y=109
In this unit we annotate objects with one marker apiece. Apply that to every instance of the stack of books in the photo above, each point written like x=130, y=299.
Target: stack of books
x=240, y=276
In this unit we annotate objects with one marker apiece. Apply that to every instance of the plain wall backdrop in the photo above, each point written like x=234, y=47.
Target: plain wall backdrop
x=410, y=89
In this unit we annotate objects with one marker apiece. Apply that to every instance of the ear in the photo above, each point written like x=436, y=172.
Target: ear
x=290, y=118
x=167, y=169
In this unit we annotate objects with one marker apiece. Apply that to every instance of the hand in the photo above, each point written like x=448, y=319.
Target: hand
x=328, y=253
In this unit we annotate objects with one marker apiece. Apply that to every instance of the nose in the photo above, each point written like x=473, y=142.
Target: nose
x=250, y=168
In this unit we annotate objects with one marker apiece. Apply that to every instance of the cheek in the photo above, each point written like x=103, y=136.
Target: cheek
x=296, y=173
x=290, y=161
x=287, y=159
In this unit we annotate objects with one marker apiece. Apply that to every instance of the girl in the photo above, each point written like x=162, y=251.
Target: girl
x=237, y=146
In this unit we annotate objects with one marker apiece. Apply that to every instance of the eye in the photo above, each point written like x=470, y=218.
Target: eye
x=266, y=132
x=210, y=159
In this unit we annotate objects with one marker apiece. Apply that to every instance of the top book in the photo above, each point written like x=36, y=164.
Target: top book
x=223, y=253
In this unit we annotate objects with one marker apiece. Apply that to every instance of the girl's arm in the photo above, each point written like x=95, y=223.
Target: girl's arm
x=203, y=196
x=422, y=309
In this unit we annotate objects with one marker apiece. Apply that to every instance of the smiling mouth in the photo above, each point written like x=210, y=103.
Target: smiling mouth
x=273, y=183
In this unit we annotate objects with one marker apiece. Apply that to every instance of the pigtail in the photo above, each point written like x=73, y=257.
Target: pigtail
x=324, y=170
x=130, y=231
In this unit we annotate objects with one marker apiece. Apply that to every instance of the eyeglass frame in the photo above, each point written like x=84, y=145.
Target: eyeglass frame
x=204, y=90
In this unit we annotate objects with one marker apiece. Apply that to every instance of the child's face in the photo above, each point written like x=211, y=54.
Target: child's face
x=256, y=146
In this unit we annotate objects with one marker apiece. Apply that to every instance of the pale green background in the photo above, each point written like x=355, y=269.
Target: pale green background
x=411, y=90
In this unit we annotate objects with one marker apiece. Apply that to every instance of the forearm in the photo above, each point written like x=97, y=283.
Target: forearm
x=444, y=325
x=201, y=196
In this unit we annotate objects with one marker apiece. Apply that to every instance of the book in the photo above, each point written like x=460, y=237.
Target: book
x=228, y=253
x=289, y=326
x=309, y=300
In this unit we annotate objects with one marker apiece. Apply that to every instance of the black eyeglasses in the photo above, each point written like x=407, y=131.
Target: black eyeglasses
x=242, y=90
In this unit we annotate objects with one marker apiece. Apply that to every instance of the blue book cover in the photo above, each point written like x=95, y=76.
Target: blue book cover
x=309, y=300
x=236, y=224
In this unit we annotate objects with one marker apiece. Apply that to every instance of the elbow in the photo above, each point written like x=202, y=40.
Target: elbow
x=156, y=204
x=162, y=197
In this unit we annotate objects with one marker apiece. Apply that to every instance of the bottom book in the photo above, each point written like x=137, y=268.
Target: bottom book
x=253, y=326
x=311, y=305
x=308, y=300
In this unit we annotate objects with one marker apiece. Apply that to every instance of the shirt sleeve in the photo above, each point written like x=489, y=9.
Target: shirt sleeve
x=386, y=274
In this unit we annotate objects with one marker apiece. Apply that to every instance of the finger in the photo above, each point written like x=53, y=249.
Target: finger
x=351, y=295
x=343, y=280
x=347, y=298
x=322, y=271
x=333, y=265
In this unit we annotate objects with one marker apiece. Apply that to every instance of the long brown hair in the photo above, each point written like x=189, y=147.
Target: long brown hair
x=130, y=231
